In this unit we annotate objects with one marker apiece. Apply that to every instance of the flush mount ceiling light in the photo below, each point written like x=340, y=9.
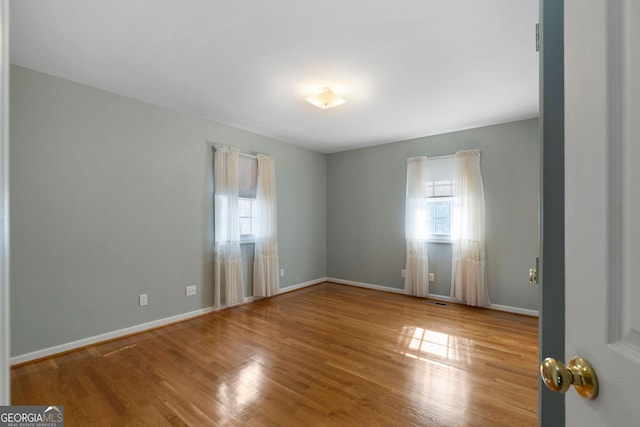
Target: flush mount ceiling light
x=326, y=99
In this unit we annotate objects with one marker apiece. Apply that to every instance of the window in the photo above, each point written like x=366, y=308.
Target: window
x=439, y=195
x=247, y=205
x=439, y=217
x=247, y=210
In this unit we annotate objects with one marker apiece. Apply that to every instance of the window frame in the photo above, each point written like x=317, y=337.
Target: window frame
x=439, y=186
x=248, y=238
x=441, y=238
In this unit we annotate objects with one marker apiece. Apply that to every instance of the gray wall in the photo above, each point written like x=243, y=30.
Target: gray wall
x=111, y=197
x=365, y=210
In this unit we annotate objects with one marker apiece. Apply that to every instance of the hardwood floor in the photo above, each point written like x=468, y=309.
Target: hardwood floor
x=328, y=355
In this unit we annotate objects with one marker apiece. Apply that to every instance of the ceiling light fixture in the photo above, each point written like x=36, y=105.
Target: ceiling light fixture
x=326, y=99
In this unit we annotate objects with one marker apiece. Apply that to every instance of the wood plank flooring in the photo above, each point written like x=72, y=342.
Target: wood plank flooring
x=327, y=355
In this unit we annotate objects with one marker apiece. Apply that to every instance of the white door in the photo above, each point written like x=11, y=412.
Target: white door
x=602, y=206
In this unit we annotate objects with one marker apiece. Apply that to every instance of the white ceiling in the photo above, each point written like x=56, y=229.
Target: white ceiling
x=408, y=68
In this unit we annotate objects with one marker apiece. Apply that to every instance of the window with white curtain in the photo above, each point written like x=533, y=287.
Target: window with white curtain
x=439, y=180
x=227, y=259
x=468, y=263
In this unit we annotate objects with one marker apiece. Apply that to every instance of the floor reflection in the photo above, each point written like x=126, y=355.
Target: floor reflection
x=442, y=373
x=433, y=346
x=244, y=388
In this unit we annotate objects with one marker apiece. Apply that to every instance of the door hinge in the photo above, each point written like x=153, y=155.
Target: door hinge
x=538, y=37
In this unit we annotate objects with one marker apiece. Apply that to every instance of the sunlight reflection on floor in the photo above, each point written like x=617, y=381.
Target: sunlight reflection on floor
x=442, y=356
x=243, y=389
x=433, y=346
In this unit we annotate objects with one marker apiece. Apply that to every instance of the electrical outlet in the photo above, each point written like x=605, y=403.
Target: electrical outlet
x=403, y=273
x=190, y=290
x=432, y=277
x=143, y=300
x=282, y=272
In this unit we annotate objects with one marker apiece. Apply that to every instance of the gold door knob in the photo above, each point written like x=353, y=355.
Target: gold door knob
x=580, y=374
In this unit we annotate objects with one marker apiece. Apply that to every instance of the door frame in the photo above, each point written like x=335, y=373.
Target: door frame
x=551, y=409
x=4, y=204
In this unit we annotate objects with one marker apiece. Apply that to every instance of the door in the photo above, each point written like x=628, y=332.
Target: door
x=602, y=206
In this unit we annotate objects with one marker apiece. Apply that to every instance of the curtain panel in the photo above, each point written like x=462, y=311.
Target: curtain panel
x=416, y=280
x=266, y=277
x=227, y=261
x=468, y=275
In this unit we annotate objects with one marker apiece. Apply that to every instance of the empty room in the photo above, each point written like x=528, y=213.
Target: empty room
x=283, y=213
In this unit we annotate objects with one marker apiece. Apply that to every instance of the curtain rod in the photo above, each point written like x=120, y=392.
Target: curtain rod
x=448, y=156
x=241, y=154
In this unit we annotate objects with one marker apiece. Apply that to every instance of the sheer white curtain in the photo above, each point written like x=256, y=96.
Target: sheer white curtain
x=468, y=275
x=227, y=268
x=266, y=277
x=416, y=279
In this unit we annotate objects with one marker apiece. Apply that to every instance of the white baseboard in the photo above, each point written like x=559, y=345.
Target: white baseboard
x=497, y=307
x=57, y=349
x=38, y=354
x=516, y=310
x=303, y=285
x=366, y=285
